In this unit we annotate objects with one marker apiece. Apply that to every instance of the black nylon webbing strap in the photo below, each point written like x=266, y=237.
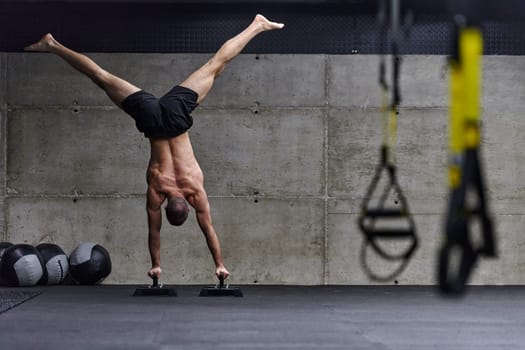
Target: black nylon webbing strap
x=460, y=218
x=372, y=217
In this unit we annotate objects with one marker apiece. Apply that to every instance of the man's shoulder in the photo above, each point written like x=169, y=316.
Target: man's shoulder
x=154, y=198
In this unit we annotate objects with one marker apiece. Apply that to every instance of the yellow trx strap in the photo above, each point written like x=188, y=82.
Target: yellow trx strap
x=464, y=172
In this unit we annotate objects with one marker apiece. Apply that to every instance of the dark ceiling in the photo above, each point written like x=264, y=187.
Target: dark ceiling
x=312, y=26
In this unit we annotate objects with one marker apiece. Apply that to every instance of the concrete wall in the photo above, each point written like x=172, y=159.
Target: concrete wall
x=288, y=144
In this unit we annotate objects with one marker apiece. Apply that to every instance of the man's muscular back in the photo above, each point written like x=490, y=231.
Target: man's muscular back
x=173, y=171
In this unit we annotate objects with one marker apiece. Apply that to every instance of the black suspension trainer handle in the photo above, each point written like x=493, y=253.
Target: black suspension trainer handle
x=381, y=211
x=369, y=216
x=373, y=275
x=454, y=281
x=373, y=241
x=459, y=220
x=453, y=278
x=473, y=171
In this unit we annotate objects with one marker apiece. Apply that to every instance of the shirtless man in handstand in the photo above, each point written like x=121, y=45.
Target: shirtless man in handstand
x=173, y=172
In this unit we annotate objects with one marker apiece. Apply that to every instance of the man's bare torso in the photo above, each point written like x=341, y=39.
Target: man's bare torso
x=173, y=170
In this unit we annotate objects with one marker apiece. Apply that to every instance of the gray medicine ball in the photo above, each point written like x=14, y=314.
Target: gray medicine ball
x=55, y=262
x=89, y=263
x=22, y=266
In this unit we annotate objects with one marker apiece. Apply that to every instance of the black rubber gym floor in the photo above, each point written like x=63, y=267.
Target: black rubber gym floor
x=268, y=317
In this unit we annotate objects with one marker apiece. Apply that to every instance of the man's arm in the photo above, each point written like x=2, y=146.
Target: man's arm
x=154, y=224
x=202, y=207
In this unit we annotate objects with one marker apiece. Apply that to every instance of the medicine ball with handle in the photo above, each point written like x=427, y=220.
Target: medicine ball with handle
x=89, y=263
x=3, y=247
x=55, y=262
x=22, y=266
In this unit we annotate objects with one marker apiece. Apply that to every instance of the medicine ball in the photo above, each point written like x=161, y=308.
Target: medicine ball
x=3, y=247
x=55, y=262
x=22, y=266
x=89, y=263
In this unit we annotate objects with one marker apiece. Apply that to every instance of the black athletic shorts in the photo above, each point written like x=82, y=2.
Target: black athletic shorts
x=164, y=117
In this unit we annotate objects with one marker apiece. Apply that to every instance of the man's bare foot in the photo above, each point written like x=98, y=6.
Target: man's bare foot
x=266, y=24
x=43, y=45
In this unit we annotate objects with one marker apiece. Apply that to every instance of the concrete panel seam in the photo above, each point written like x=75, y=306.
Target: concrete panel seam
x=426, y=213
x=325, y=164
x=200, y=108
x=3, y=133
x=141, y=195
x=270, y=196
x=83, y=196
x=261, y=108
x=326, y=199
x=203, y=108
x=401, y=108
x=63, y=107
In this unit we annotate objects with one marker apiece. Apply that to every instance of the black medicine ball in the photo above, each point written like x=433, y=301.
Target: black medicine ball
x=22, y=266
x=89, y=263
x=3, y=247
x=55, y=262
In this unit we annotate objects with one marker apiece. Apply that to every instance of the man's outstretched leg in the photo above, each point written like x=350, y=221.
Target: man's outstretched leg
x=202, y=80
x=116, y=88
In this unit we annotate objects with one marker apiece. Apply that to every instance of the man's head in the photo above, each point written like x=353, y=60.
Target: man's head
x=177, y=211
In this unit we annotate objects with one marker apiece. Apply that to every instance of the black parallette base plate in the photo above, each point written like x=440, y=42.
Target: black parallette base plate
x=213, y=291
x=148, y=291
